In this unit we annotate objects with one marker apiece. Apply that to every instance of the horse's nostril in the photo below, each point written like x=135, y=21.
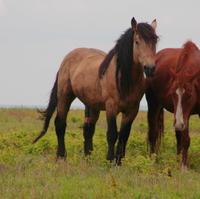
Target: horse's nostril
x=149, y=70
x=150, y=66
x=182, y=126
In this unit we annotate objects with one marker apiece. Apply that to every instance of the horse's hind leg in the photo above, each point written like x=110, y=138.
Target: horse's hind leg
x=91, y=117
x=63, y=105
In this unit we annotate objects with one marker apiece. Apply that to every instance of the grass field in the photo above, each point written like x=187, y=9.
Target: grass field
x=30, y=171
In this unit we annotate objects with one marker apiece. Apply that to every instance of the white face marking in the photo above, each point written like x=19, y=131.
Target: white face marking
x=179, y=125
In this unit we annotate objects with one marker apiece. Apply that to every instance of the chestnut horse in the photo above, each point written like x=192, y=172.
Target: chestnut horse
x=175, y=86
x=112, y=82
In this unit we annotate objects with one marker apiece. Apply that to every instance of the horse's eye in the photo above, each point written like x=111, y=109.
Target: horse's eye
x=136, y=42
x=189, y=94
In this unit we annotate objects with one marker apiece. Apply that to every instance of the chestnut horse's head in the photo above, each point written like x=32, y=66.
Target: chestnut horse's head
x=184, y=86
x=144, y=45
x=184, y=99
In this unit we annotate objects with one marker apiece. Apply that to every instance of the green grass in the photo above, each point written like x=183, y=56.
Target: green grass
x=31, y=171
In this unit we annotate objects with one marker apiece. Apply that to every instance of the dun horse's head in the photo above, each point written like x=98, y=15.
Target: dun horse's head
x=185, y=85
x=144, y=45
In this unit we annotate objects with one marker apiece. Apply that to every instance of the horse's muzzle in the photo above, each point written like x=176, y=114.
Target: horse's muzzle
x=149, y=70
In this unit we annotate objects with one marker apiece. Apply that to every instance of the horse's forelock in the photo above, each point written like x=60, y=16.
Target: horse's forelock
x=147, y=33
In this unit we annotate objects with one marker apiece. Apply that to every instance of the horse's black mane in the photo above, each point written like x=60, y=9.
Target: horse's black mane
x=124, y=55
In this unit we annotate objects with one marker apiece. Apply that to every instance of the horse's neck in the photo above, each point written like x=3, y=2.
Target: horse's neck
x=137, y=72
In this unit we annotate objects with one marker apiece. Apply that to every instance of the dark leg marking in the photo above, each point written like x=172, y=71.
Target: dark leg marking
x=88, y=132
x=179, y=141
x=60, y=125
x=122, y=141
x=91, y=117
x=111, y=137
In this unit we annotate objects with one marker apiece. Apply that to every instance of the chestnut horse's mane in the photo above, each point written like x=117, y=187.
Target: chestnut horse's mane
x=124, y=56
x=188, y=48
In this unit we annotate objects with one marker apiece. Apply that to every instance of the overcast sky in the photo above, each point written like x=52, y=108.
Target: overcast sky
x=35, y=35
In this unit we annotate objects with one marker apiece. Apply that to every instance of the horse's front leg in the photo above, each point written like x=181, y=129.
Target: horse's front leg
x=179, y=141
x=185, y=146
x=111, y=130
x=127, y=119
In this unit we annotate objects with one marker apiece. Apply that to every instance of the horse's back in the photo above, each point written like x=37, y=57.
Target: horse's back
x=78, y=55
x=167, y=58
x=74, y=60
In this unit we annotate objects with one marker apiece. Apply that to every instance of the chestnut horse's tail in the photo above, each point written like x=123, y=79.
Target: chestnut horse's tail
x=47, y=114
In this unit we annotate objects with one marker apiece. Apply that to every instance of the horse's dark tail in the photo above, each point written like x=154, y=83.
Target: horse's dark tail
x=47, y=114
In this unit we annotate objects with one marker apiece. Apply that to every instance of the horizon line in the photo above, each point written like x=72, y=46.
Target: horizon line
x=81, y=106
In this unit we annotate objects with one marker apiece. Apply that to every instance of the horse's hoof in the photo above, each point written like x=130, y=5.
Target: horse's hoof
x=61, y=157
x=87, y=153
x=123, y=155
x=88, y=148
x=118, y=163
x=110, y=157
x=184, y=167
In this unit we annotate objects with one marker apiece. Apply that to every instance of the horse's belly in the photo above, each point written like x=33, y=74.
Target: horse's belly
x=88, y=91
x=90, y=97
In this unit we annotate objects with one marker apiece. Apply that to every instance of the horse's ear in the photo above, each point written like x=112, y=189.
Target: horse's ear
x=133, y=24
x=154, y=24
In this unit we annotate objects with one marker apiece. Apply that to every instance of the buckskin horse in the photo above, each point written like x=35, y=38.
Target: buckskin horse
x=112, y=82
x=175, y=86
